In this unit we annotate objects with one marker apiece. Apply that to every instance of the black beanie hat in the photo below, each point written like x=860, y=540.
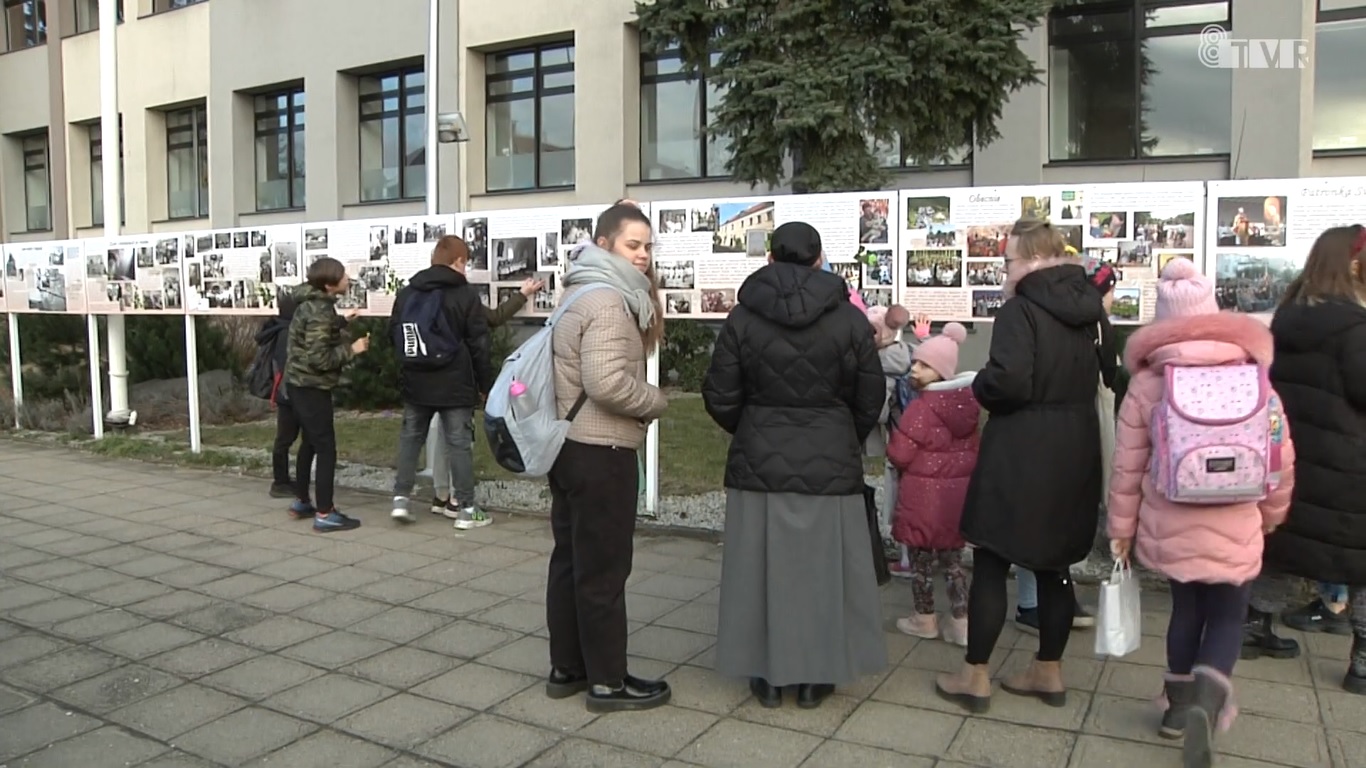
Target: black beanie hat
x=796, y=242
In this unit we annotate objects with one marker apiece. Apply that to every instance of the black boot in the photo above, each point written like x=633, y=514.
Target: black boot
x=1355, y=681
x=1211, y=694
x=631, y=695
x=768, y=695
x=1178, y=690
x=562, y=684
x=1259, y=640
x=811, y=695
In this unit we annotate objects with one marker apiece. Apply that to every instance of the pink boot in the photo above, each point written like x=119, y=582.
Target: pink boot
x=956, y=631
x=924, y=625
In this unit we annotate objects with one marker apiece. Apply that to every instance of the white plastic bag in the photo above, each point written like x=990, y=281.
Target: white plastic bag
x=1119, y=625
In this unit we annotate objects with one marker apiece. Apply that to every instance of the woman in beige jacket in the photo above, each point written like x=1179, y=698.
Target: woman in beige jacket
x=601, y=343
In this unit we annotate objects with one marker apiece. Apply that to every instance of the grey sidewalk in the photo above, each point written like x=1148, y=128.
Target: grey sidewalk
x=166, y=617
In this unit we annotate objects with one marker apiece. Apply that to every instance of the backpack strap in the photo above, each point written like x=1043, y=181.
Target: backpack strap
x=578, y=406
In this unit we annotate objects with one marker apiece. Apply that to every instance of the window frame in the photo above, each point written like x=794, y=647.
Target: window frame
x=45, y=165
x=296, y=106
x=167, y=6
x=94, y=27
x=704, y=104
x=198, y=131
x=40, y=32
x=1138, y=32
x=404, y=92
x=539, y=92
x=1330, y=17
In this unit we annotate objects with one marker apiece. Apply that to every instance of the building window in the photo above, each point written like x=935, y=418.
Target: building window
x=25, y=23
x=1126, y=81
x=96, y=135
x=530, y=108
x=37, y=183
x=1339, y=99
x=187, y=163
x=393, y=136
x=280, y=150
x=88, y=15
x=160, y=6
x=674, y=114
x=891, y=155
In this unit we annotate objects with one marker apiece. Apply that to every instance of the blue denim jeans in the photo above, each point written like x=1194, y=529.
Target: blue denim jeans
x=457, y=429
x=1027, y=589
x=1332, y=594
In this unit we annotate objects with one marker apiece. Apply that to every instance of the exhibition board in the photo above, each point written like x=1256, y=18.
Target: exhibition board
x=239, y=271
x=45, y=277
x=135, y=274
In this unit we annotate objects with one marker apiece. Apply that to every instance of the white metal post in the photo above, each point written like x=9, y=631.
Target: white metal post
x=113, y=213
x=92, y=340
x=192, y=373
x=15, y=368
x=652, y=444
x=435, y=456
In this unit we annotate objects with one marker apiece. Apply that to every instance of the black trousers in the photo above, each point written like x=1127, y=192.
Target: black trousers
x=286, y=432
x=313, y=407
x=987, y=608
x=593, y=492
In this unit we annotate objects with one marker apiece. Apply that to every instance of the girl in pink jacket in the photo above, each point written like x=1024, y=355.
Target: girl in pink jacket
x=934, y=450
x=1211, y=553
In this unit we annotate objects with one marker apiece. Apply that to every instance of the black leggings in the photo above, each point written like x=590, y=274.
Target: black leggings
x=313, y=407
x=987, y=608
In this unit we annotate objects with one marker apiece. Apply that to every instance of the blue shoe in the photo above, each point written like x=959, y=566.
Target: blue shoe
x=302, y=509
x=334, y=521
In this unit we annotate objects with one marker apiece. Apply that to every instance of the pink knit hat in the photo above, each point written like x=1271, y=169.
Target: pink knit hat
x=1183, y=292
x=941, y=352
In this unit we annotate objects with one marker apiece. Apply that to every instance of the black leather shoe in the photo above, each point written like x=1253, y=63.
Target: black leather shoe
x=1259, y=639
x=768, y=695
x=632, y=695
x=812, y=695
x=562, y=684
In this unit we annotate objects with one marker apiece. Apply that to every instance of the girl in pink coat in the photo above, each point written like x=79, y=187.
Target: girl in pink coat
x=934, y=450
x=1211, y=554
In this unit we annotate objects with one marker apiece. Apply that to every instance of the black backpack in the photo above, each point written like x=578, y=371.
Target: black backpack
x=261, y=374
x=423, y=337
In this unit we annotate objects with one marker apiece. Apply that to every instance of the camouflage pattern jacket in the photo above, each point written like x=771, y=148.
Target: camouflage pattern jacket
x=318, y=345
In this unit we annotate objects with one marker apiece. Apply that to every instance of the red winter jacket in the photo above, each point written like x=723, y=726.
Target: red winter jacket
x=934, y=448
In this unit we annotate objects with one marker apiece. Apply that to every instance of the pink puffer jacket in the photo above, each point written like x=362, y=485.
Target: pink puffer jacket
x=1214, y=544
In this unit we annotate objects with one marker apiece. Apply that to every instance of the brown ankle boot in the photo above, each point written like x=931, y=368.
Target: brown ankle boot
x=1041, y=680
x=969, y=687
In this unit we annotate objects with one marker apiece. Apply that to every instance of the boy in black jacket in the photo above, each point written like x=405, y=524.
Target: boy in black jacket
x=452, y=391
x=274, y=333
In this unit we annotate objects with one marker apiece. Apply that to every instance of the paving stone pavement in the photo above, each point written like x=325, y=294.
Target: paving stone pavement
x=157, y=616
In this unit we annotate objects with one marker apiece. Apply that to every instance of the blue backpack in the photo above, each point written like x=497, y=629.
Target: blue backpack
x=902, y=395
x=423, y=337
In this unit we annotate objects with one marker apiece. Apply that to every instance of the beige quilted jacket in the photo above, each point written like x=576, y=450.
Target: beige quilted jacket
x=598, y=350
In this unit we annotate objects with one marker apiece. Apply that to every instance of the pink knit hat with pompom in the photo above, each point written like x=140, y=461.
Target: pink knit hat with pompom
x=1183, y=292
x=941, y=352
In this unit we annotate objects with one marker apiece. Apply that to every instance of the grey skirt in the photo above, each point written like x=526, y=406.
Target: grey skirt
x=799, y=601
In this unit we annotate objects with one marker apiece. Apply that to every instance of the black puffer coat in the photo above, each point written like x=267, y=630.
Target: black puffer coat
x=1320, y=374
x=1035, y=493
x=795, y=378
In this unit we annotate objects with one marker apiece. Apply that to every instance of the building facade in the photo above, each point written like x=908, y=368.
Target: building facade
x=238, y=113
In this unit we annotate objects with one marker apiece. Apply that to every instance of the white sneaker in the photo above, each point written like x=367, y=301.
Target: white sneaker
x=401, y=510
x=472, y=517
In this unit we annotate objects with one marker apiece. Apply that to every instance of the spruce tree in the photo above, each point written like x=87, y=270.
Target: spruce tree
x=816, y=80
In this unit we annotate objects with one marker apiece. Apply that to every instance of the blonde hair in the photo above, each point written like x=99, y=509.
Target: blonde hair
x=1037, y=239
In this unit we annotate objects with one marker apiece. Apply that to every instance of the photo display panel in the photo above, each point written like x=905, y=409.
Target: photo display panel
x=380, y=255
x=706, y=248
x=135, y=274
x=953, y=240
x=46, y=277
x=1260, y=233
x=509, y=246
x=240, y=271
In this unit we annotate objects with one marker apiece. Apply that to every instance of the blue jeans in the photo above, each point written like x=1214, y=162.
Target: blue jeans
x=457, y=427
x=1027, y=588
x=1333, y=594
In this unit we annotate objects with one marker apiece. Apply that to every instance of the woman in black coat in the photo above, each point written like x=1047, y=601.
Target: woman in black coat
x=795, y=378
x=1035, y=494
x=1320, y=373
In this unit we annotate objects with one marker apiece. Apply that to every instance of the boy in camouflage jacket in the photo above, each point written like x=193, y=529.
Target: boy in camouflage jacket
x=318, y=351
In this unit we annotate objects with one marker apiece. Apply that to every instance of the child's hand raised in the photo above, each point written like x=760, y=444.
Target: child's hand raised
x=921, y=329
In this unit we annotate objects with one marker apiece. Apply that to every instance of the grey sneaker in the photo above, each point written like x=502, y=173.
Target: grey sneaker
x=472, y=517
x=401, y=512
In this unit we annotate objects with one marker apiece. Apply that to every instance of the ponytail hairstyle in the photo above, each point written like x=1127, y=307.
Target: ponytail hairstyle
x=605, y=235
x=1036, y=245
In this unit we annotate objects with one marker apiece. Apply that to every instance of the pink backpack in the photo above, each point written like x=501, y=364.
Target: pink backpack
x=1215, y=436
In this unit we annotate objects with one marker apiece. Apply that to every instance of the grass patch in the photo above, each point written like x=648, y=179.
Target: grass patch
x=161, y=451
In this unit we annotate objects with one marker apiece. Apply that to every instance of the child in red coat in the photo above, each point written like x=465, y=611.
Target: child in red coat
x=934, y=448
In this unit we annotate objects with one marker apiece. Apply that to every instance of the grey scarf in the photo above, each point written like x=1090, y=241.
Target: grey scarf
x=591, y=264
